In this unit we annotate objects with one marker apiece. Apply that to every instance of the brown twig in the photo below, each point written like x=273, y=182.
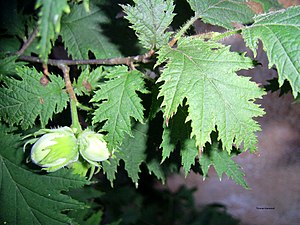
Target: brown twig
x=28, y=42
x=66, y=71
x=112, y=61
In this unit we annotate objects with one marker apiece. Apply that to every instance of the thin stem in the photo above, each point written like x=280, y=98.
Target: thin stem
x=73, y=100
x=225, y=34
x=28, y=42
x=112, y=61
x=183, y=30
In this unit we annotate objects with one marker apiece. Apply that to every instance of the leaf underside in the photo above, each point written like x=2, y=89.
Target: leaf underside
x=279, y=32
x=22, y=101
x=203, y=73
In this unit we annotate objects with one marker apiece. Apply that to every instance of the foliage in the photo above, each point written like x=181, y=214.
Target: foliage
x=180, y=104
x=271, y=29
x=22, y=101
x=26, y=197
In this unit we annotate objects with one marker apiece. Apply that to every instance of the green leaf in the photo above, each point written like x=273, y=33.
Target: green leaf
x=87, y=81
x=177, y=134
x=223, y=163
x=49, y=23
x=154, y=167
x=269, y=5
x=110, y=168
x=223, y=12
x=8, y=65
x=203, y=73
x=175, y=131
x=28, y=198
x=119, y=103
x=11, y=20
x=22, y=101
x=279, y=32
x=81, y=32
x=151, y=19
x=132, y=152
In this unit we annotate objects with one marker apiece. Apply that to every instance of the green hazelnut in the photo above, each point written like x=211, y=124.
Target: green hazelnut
x=55, y=149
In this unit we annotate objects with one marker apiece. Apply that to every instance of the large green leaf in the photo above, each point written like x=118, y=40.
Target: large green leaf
x=81, y=32
x=23, y=100
x=27, y=198
x=49, y=23
x=150, y=19
x=279, y=32
x=119, y=103
x=203, y=73
x=222, y=163
x=223, y=12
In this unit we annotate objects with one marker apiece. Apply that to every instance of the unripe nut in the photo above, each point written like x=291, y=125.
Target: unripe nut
x=93, y=147
x=55, y=149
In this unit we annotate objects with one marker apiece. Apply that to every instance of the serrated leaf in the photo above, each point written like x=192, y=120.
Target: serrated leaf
x=154, y=167
x=28, y=198
x=150, y=19
x=222, y=163
x=87, y=81
x=22, y=101
x=49, y=23
x=81, y=32
x=133, y=149
x=8, y=65
x=223, y=12
x=119, y=103
x=132, y=152
x=203, y=73
x=279, y=32
x=110, y=168
x=188, y=155
x=177, y=134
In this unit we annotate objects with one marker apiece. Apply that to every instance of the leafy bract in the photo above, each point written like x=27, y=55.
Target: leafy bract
x=150, y=19
x=279, y=32
x=119, y=103
x=22, y=101
x=49, y=23
x=81, y=32
x=203, y=73
x=223, y=12
x=28, y=198
x=222, y=163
